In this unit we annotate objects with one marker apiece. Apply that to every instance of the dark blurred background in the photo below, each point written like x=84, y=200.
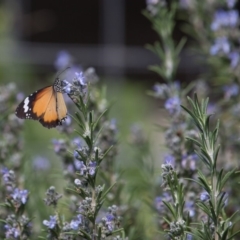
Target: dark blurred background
x=105, y=34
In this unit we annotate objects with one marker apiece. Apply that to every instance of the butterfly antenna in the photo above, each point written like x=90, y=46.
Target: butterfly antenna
x=63, y=71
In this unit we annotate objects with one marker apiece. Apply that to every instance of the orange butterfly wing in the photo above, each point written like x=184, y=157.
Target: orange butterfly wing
x=46, y=105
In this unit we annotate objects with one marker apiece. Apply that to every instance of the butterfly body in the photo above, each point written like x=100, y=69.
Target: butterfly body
x=46, y=105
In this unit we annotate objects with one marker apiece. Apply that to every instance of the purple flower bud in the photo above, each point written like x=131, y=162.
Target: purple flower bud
x=173, y=105
x=20, y=196
x=221, y=45
x=51, y=223
x=204, y=196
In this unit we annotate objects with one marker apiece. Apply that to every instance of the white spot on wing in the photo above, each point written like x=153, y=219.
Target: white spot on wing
x=25, y=106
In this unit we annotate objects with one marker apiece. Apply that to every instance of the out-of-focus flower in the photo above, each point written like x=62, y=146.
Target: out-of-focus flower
x=169, y=159
x=20, y=196
x=231, y=90
x=63, y=60
x=11, y=232
x=81, y=167
x=9, y=179
x=79, y=76
x=17, y=227
x=92, y=168
x=189, y=161
x=158, y=202
x=204, y=196
x=190, y=208
x=234, y=59
x=224, y=19
x=212, y=108
x=221, y=45
x=109, y=220
x=51, y=223
x=77, y=142
x=20, y=96
x=41, y=163
x=153, y=5
x=173, y=105
x=74, y=224
x=161, y=90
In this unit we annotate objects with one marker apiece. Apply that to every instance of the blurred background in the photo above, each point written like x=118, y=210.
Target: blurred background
x=108, y=35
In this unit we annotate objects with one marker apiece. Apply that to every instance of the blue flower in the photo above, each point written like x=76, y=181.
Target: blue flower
x=92, y=168
x=66, y=87
x=80, y=77
x=234, y=59
x=109, y=221
x=189, y=236
x=11, y=232
x=173, y=105
x=77, y=142
x=189, y=161
x=76, y=155
x=224, y=19
x=158, y=202
x=231, y=90
x=51, y=223
x=161, y=90
x=4, y=170
x=74, y=224
x=169, y=159
x=63, y=60
x=80, y=166
x=41, y=163
x=9, y=179
x=190, y=207
x=20, y=196
x=212, y=108
x=221, y=44
x=204, y=196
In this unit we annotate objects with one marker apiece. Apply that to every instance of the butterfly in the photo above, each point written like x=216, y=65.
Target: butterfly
x=46, y=105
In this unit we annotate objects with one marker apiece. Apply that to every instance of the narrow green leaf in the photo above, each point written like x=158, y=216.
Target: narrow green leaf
x=224, y=234
x=180, y=45
x=225, y=178
x=85, y=234
x=171, y=208
x=100, y=116
x=233, y=235
x=197, y=142
x=204, y=208
x=107, y=191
